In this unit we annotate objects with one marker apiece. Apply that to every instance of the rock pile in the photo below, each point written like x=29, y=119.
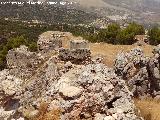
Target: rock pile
x=94, y=93
x=87, y=92
x=140, y=72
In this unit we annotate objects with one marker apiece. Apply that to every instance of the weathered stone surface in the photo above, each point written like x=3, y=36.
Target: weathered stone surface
x=103, y=92
x=78, y=52
x=99, y=116
x=69, y=91
x=89, y=91
x=142, y=73
x=5, y=115
x=79, y=44
x=37, y=86
x=20, y=57
x=22, y=62
x=74, y=55
x=50, y=40
x=9, y=86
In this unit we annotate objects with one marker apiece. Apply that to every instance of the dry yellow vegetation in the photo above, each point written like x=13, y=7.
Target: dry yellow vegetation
x=44, y=114
x=149, y=108
x=109, y=51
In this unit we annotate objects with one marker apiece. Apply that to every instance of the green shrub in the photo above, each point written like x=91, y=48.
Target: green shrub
x=126, y=36
x=154, y=34
x=32, y=46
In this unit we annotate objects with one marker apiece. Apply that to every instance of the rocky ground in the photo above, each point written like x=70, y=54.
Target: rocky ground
x=80, y=87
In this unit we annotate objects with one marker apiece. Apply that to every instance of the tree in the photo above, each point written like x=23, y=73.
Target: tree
x=2, y=60
x=16, y=42
x=109, y=34
x=154, y=34
x=126, y=36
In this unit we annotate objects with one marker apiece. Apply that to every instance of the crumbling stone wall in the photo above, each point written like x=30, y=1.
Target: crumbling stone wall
x=91, y=91
x=22, y=62
x=20, y=57
x=78, y=44
x=50, y=40
x=78, y=51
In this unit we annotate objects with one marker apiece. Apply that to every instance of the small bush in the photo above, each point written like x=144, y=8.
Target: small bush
x=32, y=46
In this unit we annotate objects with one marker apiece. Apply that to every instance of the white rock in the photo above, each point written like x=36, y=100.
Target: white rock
x=70, y=91
x=18, y=119
x=109, y=118
x=99, y=116
x=5, y=115
x=11, y=85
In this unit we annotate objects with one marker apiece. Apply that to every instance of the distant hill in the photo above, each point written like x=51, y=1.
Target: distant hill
x=142, y=11
x=86, y=11
x=47, y=13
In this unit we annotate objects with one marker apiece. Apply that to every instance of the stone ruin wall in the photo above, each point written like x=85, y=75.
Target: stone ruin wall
x=51, y=41
x=22, y=62
x=79, y=44
x=78, y=51
x=94, y=80
x=20, y=57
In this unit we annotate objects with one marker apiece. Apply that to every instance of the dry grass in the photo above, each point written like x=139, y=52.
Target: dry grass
x=44, y=114
x=149, y=108
x=110, y=51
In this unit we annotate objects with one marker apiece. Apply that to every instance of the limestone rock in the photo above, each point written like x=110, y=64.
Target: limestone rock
x=22, y=62
x=109, y=118
x=79, y=51
x=5, y=115
x=89, y=91
x=99, y=116
x=70, y=91
x=50, y=40
x=141, y=72
x=78, y=44
x=97, y=89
